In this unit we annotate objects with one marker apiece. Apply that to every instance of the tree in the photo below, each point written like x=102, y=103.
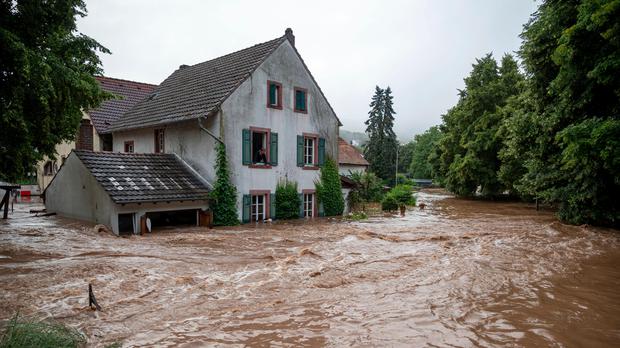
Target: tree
x=423, y=145
x=47, y=80
x=571, y=51
x=380, y=151
x=329, y=189
x=287, y=200
x=470, y=146
x=405, y=153
x=224, y=195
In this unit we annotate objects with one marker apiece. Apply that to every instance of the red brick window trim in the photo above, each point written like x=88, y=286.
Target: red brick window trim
x=303, y=108
x=274, y=95
x=129, y=146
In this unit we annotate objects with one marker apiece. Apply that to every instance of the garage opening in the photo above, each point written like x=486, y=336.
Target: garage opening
x=125, y=224
x=173, y=218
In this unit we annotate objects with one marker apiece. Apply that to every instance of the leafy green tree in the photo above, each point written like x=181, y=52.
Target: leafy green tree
x=47, y=80
x=571, y=52
x=224, y=194
x=423, y=145
x=405, y=153
x=380, y=151
x=471, y=142
x=329, y=189
x=287, y=200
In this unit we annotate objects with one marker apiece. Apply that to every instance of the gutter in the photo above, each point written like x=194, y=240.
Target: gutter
x=191, y=169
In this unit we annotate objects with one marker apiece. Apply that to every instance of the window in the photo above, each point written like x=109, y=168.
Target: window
x=260, y=155
x=308, y=204
x=159, y=140
x=301, y=100
x=259, y=148
x=274, y=95
x=258, y=208
x=309, y=153
x=106, y=142
x=129, y=146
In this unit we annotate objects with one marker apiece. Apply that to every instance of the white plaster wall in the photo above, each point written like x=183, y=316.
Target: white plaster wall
x=76, y=194
x=245, y=108
x=345, y=169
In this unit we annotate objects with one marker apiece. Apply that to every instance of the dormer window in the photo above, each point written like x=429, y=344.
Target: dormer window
x=274, y=95
x=301, y=100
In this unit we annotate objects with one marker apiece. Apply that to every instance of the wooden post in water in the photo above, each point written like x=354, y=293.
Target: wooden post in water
x=92, y=301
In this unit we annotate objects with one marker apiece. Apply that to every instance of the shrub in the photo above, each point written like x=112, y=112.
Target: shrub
x=223, y=198
x=403, y=195
x=329, y=189
x=287, y=200
x=27, y=333
x=368, y=188
x=399, y=196
x=358, y=215
x=389, y=203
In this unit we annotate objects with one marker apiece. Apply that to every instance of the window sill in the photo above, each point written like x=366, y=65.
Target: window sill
x=260, y=166
x=300, y=111
x=310, y=168
x=277, y=107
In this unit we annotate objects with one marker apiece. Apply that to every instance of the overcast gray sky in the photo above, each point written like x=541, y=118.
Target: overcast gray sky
x=422, y=49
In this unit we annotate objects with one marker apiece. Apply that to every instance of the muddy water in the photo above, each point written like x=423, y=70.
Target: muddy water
x=459, y=273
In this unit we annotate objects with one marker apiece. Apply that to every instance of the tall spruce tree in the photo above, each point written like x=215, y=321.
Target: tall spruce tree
x=382, y=145
x=224, y=194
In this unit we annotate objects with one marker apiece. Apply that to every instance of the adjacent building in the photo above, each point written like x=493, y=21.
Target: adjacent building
x=350, y=159
x=94, y=130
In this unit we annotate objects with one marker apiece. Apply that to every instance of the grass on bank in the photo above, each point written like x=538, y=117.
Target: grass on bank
x=24, y=333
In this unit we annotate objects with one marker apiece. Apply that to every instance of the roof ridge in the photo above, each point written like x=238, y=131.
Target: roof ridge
x=239, y=51
x=125, y=80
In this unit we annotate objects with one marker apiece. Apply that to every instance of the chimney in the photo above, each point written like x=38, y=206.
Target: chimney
x=183, y=66
x=289, y=36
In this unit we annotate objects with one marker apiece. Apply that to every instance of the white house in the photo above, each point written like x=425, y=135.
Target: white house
x=262, y=102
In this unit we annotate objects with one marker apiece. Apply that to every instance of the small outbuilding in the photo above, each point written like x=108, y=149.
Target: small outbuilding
x=350, y=159
x=129, y=192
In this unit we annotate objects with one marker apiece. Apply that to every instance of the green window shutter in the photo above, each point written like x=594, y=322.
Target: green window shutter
x=273, y=100
x=247, y=156
x=321, y=210
x=272, y=205
x=300, y=100
x=273, y=151
x=321, y=151
x=301, y=206
x=246, y=207
x=300, y=151
x=303, y=101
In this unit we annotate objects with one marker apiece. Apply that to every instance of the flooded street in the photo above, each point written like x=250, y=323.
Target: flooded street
x=459, y=273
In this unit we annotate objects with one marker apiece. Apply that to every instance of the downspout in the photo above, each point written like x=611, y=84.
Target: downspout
x=204, y=129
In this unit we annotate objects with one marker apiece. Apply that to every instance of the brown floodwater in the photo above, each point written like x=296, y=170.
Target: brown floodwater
x=458, y=273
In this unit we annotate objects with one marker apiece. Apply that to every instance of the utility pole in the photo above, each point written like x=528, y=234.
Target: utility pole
x=396, y=174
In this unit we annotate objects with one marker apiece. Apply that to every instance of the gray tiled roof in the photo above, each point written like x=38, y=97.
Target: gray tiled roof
x=195, y=91
x=129, y=93
x=153, y=177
